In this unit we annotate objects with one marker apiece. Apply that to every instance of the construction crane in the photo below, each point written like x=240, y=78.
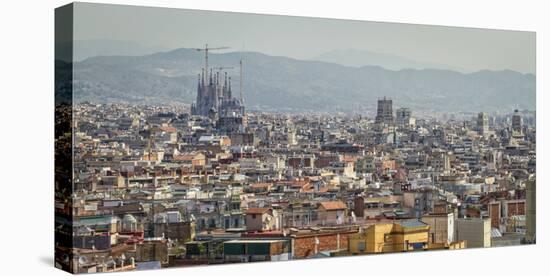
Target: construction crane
x=241, y=80
x=222, y=68
x=205, y=50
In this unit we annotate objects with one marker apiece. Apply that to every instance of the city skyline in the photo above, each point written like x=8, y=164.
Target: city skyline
x=280, y=83
x=202, y=157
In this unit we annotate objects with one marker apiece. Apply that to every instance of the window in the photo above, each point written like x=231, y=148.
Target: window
x=254, y=216
x=361, y=246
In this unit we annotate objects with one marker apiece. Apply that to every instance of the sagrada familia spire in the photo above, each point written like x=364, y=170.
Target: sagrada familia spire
x=215, y=99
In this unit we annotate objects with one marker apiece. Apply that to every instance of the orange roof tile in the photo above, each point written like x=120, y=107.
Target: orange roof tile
x=168, y=129
x=333, y=205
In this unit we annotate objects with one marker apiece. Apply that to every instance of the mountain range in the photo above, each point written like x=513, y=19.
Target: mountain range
x=286, y=84
x=359, y=58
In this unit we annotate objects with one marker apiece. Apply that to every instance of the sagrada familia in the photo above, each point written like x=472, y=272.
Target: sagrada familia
x=215, y=101
x=214, y=97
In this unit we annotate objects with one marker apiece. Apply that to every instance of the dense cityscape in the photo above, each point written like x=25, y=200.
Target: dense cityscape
x=157, y=186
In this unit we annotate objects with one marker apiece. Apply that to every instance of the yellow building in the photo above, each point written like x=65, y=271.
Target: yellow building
x=399, y=236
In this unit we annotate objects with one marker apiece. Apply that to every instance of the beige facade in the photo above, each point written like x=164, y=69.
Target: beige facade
x=441, y=227
x=261, y=219
x=152, y=250
x=332, y=212
x=390, y=237
x=475, y=231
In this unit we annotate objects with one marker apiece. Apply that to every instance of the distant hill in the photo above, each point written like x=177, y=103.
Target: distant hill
x=83, y=49
x=360, y=58
x=282, y=83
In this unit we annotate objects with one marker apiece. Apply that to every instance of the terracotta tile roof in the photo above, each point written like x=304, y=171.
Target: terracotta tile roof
x=261, y=185
x=349, y=159
x=168, y=129
x=308, y=188
x=182, y=157
x=333, y=205
x=323, y=189
x=186, y=157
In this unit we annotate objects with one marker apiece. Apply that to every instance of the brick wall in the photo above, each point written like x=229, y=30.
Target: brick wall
x=494, y=213
x=294, y=162
x=516, y=208
x=305, y=246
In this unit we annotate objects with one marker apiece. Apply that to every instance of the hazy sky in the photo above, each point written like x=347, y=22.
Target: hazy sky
x=305, y=38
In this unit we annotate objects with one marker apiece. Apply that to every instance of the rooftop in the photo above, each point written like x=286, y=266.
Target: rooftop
x=333, y=205
x=257, y=210
x=411, y=223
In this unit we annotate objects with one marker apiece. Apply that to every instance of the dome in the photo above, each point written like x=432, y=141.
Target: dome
x=128, y=218
x=129, y=223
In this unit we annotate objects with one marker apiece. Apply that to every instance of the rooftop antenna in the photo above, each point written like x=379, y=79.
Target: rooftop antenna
x=205, y=50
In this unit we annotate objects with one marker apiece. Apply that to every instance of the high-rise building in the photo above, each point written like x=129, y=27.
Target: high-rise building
x=384, y=112
x=517, y=121
x=482, y=123
x=403, y=116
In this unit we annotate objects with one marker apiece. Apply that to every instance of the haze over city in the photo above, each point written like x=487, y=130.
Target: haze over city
x=138, y=28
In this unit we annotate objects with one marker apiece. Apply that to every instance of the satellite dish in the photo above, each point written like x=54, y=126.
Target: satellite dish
x=82, y=260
